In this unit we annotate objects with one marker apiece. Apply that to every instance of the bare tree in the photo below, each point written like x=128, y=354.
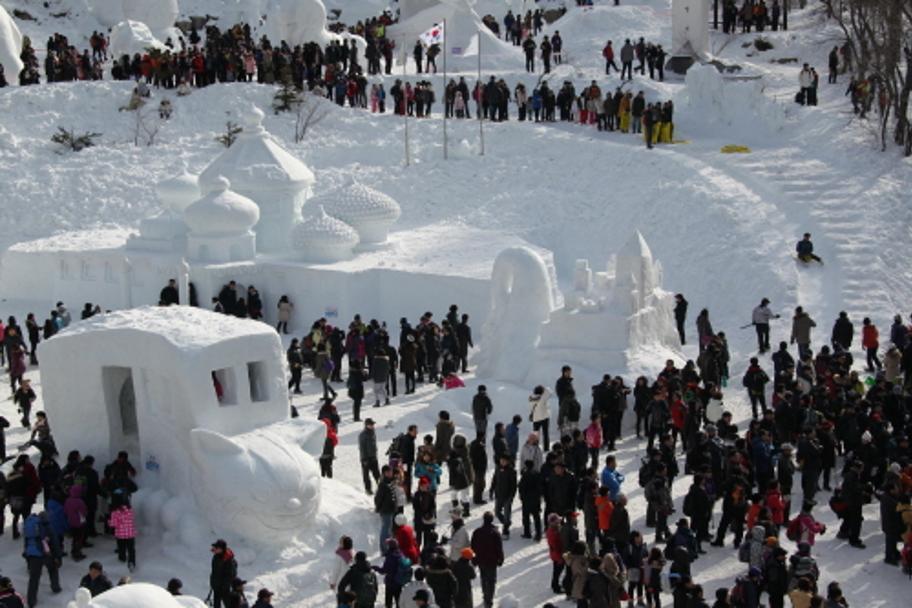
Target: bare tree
x=311, y=110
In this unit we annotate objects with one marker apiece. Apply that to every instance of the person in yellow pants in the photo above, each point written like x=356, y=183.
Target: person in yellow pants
x=657, y=128
x=667, y=123
x=624, y=113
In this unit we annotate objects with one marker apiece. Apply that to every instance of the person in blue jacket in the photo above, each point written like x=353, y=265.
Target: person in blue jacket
x=42, y=550
x=612, y=478
x=805, y=250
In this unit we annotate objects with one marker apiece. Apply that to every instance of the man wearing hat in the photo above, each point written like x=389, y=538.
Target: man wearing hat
x=8, y=596
x=264, y=599
x=223, y=572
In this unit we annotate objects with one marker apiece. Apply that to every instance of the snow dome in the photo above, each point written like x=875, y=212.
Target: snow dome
x=323, y=239
x=131, y=37
x=370, y=212
x=157, y=15
x=260, y=169
x=178, y=192
x=134, y=595
x=220, y=224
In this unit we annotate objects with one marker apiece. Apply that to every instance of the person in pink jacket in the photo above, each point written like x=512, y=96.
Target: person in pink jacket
x=123, y=522
x=804, y=528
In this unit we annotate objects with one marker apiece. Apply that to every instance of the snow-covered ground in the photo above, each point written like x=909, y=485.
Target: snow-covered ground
x=723, y=226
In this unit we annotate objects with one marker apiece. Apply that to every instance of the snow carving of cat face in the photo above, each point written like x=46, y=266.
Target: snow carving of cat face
x=258, y=485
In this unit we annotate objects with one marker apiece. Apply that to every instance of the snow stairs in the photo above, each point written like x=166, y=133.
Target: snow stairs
x=819, y=198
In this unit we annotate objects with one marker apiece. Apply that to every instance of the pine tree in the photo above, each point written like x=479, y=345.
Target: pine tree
x=286, y=98
x=232, y=130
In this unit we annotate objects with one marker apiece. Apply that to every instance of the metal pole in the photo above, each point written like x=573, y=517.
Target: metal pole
x=404, y=110
x=478, y=105
x=445, y=143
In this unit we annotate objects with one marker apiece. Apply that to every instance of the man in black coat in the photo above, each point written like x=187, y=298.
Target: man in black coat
x=488, y=547
x=561, y=490
x=504, y=493
x=481, y=409
x=854, y=495
x=478, y=455
x=843, y=332
x=530, y=495
x=891, y=521
x=223, y=572
x=464, y=335
x=169, y=294
x=228, y=297
x=680, y=312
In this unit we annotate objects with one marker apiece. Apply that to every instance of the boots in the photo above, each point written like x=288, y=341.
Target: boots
x=465, y=509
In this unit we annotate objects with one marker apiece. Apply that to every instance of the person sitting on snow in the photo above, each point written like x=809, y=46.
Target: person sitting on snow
x=805, y=250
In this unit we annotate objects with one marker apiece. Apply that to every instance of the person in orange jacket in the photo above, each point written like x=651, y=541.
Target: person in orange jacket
x=869, y=341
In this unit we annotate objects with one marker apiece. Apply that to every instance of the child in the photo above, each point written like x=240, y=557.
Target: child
x=465, y=573
x=653, y=578
x=329, y=449
x=121, y=519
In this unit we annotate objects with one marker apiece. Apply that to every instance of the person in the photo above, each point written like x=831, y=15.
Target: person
x=396, y=567
x=442, y=581
x=96, y=581
x=42, y=550
x=461, y=473
x=286, y=308
x=577, y=566
x=833, y=64
x=705, y=333
x=481, y=409
x=222, y=573
x=464, y=571
x=478, y=455
x=413, y=587
x=487, y=546
x=760, y=317
x=802, y=324
x=755, y=381
x=8, y=596
x=805, y=249
x=341, y=562
x=367, y=453
x=870, y=342
x=264, y=599
x=24, y=397
x=627, y=60
x=843, y=332
x=806, y=82
x=323, y=368
x=423, y=598
x=122, y=521
x=680, y=314
x=169, y=295
x=504, y=486
x=362, y=581
x=385, y=503
x=540, y=414
x=76, y=512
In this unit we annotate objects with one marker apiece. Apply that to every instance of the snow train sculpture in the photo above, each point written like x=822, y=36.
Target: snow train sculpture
x=200, y=398
x=604, y=319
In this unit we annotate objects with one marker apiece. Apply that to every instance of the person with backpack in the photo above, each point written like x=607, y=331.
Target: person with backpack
x=804, y=528
x=504, y=485
x=42, y=549
x=461, y=474
x=755, y=381
x=380, y=373
x=396, y=571
x=698, y=507
x=362, y=581
x=775, y=577
x=76, y=512
x=658, y=495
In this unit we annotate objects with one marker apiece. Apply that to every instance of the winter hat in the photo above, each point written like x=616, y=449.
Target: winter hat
x=786, y=447
x=467, y=553
x=392, y=543
x=220, y=544
x=400, y=519
x=754, y=571
x=424, y=480
x=238, y=582
x=866, y=437
x=264, y=594
x=772, y=541
x=554, y=518
x=895, y=468
x=804, y=548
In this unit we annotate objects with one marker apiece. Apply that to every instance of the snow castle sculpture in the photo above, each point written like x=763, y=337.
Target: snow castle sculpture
x=198, y=400
x=689, y=33
x=605, y=317
x=263, y=171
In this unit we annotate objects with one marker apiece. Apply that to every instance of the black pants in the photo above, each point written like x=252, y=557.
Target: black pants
x=809, y=483
x=755, y=399
x=391, y=383
x=356, y=409
x=627, y=68
x=873, y=360
x=327, y=389
x=126, y=550
x=530, y=64
x=392, y=595
x=282, y=327
x=853, y=519
x=217, y=599
x=35, y=566
x=543, y=426
x=736, y=524
x=609, y=65
x=763, y=336
x=295, y=381
x=556, y=569
x=409, y=382
x=680, y=324
x=890, y=552
x=533, y=513
x=369, y=467
x=488, y=583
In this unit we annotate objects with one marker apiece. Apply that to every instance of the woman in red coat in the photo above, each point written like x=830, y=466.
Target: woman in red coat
x=869, y=341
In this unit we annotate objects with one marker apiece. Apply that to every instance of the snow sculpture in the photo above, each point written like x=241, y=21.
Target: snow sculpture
x=689, y=33
x=603, y=323
x=134, y=595
x=10, y=46
x=521, y=300
x=220, y=225
x=368, y=211
x=166, y=232
x=260, y=169
x=322, y=239
x=157, y=15
x=131, y=37
x=714, y=103
x=199, y=401
x=296, y=22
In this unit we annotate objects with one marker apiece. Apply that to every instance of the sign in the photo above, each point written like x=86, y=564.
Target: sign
x=331, y=313
x=457, y=50
x=152, y=464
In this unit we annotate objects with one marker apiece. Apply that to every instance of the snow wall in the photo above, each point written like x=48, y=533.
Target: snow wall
x=10, y=46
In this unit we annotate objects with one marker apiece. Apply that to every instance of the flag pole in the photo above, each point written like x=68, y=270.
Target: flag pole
x=445, y=143
x=478, y=105
x=405, y=109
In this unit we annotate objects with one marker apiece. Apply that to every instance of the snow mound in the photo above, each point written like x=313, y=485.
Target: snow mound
x=134, y=595
x=130, y=37
x=709, y=102
x=10, y=46
x=157, y=15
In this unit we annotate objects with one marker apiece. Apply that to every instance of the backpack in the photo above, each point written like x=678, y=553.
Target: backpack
x=793, y=532
x=395, y=444
x=404, y=574
x=744, y=552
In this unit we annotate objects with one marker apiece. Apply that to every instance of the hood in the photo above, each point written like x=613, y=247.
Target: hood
x=758, y=533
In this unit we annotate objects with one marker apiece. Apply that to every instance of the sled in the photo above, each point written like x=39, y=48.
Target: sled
x=807, y=262
x=735, y=149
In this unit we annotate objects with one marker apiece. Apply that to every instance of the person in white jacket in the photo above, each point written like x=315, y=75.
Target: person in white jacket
x=408, y=591
x=806, y=81
x=761, y=320
x=340, y=562
x=540, y=413
x=459, y=537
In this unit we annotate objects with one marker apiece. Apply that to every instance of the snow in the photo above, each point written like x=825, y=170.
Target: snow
x=129, y=37
x=157, y=16
x=723, y=226
x=134, y=595
x=10, y=46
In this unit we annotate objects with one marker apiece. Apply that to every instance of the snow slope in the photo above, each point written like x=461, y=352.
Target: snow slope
x=724, y=227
